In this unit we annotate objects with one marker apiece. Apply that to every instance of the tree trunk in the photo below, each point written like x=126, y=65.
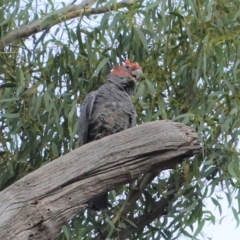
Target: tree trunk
x=39, y=204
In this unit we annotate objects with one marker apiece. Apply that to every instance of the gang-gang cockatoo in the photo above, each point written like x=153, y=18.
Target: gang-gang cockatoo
x=109, y=110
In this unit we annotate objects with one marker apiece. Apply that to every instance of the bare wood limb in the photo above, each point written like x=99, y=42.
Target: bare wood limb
x=36, y=206
x=61, y=15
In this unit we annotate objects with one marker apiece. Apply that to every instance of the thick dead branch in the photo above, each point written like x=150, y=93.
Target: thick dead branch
x=39, y=204
x=61, y=15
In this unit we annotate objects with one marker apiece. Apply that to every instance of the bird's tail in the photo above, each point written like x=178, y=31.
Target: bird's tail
x=99, y=203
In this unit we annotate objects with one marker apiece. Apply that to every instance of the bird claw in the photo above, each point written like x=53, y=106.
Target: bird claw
x=99, y=136
x=119, y=130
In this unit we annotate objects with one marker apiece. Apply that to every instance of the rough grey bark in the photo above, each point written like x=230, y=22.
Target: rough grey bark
x=39, y=204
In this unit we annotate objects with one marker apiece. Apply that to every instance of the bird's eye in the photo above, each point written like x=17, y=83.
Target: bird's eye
x=127, y=66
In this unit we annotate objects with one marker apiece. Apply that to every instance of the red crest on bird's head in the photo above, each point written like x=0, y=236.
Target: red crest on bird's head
x=132, y=65
x=129, y=69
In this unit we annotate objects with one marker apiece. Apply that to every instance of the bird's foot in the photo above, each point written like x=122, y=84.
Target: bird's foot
x=99, y=136
x=119, y=130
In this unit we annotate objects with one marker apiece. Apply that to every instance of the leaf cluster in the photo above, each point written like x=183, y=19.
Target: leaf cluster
x=189, y=51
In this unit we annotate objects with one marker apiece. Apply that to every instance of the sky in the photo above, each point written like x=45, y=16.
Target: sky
x=225, y=227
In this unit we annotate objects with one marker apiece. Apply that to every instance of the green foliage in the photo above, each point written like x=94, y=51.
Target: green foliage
x=189, y=51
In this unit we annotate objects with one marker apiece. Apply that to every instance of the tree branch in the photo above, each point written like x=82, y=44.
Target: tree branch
x=134, y=195
x=61, y=15
x=158, y=210
x=39, y=204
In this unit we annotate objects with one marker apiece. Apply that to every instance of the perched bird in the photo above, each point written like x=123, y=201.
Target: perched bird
x=109, y=110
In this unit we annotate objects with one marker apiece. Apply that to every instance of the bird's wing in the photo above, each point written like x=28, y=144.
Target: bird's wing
x=85, y=117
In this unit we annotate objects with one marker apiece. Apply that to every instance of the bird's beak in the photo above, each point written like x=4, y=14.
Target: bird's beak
x=137, y=74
